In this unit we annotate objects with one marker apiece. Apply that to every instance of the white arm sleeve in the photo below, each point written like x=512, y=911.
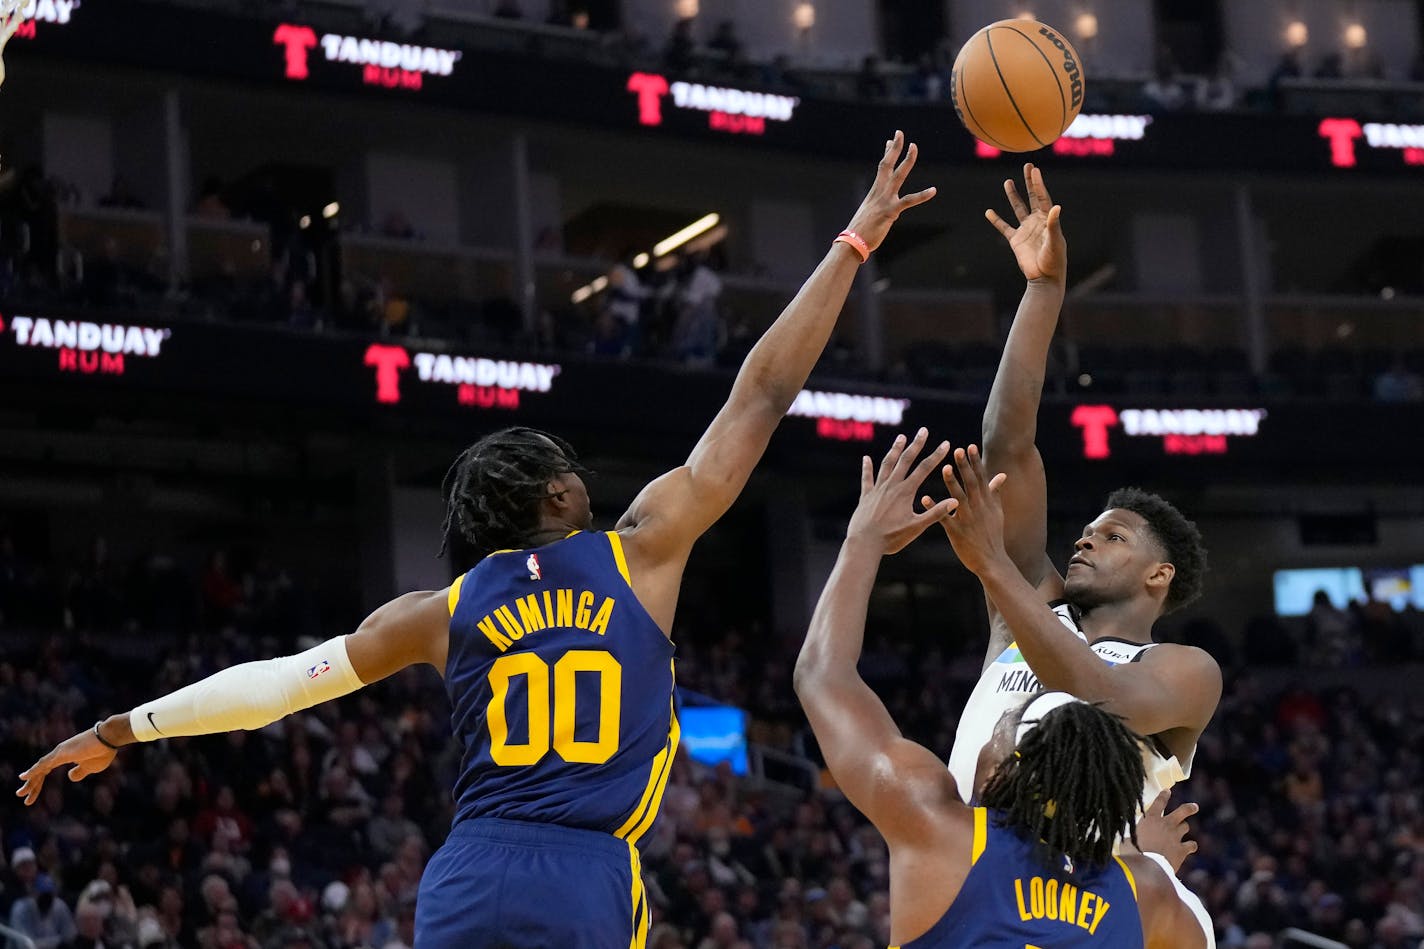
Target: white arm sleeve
x=1193, y=902
x=251, y=695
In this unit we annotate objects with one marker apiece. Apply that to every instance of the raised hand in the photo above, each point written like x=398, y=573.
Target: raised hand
x=84, y=751
x=883, y=204
x=886, y=512
x=1037, y=242
x=1162, y=833
x=976, y=528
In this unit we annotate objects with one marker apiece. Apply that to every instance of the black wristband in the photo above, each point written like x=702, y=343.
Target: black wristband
x=102, y=740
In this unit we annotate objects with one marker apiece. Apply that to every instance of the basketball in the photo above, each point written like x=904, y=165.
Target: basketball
x=1017, y=85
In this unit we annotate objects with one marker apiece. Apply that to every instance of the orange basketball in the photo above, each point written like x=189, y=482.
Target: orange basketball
x=1017, y=85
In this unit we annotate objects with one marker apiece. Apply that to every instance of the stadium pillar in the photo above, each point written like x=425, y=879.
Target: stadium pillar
x=523, y=232
x=870, y=322
x=1249, y=237
x=175, y=203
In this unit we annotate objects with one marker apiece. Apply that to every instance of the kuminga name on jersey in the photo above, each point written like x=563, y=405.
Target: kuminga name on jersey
x=561, y=687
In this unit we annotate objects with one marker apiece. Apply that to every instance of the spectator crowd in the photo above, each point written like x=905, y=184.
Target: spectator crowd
x=314, y=832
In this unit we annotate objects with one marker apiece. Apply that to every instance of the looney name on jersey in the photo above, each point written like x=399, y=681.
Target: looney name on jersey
x=1063, y=902
x=549, y=609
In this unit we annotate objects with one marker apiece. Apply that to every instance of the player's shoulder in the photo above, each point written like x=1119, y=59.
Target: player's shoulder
x=1192, y=660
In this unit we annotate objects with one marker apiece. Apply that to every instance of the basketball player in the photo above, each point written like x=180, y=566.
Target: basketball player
x=1138, y=559
x=1034, y=865
x=554, y=649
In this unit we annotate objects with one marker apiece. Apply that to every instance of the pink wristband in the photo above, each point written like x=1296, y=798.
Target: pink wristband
x=855, y=242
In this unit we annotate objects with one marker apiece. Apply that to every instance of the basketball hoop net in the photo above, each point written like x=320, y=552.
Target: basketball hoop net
x=12, y=14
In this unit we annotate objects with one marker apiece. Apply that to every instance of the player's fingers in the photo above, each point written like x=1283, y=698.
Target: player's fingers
x=950, y=473
x=891, y=456
x=887, y=159
x=1181, y=814
x=867, y=475
x=1039, y=191
x=916, y=199
x=936, y=512
x=997, y=482
x=1158, y=807
x=911, y=452
x=999, y=223
x=79, y=772
x=912, y=154
x=930, y=462
x=1054, y=213
x=1011, y=191
x=967, y=474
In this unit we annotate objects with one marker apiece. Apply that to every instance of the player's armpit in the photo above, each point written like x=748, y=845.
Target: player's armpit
x=411, y=629
x=1169, y=687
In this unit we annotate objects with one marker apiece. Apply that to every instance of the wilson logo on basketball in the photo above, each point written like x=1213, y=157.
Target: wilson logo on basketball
x=1183, y=431
x=392, y=65
x=479, y=383
x=1070, y=66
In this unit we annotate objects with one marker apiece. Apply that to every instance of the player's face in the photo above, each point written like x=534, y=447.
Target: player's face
x=999, y=746
x=1111, y=561
x=576, y=496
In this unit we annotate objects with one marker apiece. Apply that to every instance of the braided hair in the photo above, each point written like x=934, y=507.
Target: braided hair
x=492, y=491
x=1073, y=785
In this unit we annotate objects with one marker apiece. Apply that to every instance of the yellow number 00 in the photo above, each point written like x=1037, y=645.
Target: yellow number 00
x=536, y=689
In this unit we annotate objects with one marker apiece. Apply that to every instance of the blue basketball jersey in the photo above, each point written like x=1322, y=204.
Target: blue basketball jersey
x=561, y=689
x=1010, y=899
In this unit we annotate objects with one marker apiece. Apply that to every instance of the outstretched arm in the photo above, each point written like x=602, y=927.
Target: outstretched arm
x=408, y=630
x=672, y=512
x=1171, y=687
x=1011, y=416
x=893, y=781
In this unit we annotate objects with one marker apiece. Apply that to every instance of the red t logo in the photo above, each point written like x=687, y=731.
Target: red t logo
x=1342, y=134
x=1095, y=420
x=650, y=89
x=389, y=361
x=298, y=40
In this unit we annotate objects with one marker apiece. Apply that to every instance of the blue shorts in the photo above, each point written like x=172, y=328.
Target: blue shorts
x=502, y=884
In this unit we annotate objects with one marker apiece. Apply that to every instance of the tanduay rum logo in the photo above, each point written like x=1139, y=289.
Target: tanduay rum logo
x=57, y=12
x=844, y=417
x=738, y=111
x=86, y=347
x=383, y=63
x=479, y=383
x=1183, y=431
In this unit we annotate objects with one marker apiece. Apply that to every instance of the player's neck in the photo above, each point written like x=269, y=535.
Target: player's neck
x=1129, y=621
x=548, y=533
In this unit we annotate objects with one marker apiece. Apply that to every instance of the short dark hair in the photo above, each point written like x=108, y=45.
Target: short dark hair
x=1178, y=537
x=1072, y=787
x=492, y=491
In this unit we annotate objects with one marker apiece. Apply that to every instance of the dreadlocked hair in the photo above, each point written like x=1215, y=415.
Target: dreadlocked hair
x=1073, y=786
x=492, y=491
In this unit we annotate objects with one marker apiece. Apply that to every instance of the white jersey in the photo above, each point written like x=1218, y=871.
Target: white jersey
x=1008, y=681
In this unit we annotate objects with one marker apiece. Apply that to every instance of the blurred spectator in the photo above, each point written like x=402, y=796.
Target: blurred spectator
x=726, y=42
x=695, y=333
x=43, y=917
x=210, y=203
x=870, y=81
x=1164, y=92
x=681, y=48
x=1399, y=383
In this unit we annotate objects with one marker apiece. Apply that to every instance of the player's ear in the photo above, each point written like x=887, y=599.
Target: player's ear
x=1159, y=578
x=557, y=492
